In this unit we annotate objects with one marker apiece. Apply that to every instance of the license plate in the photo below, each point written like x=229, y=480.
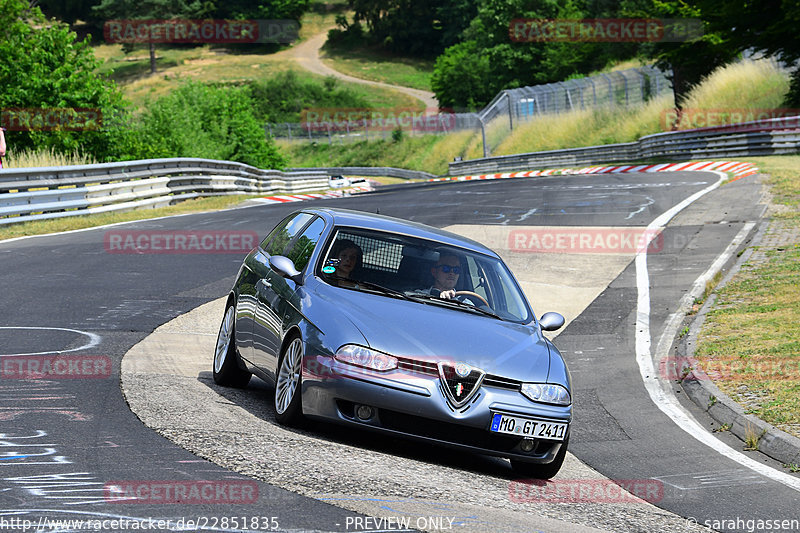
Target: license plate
x=527, y=427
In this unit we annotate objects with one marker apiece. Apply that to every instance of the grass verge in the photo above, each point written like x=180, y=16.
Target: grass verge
x=752, y=332
x=218, y=64
x=375, y=65
x=747, y=85
x=430, y=153
x=42, y=227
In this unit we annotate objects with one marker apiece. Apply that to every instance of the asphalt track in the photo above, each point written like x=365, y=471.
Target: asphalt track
x=63, y=441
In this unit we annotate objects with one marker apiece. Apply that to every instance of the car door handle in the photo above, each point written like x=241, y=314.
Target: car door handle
x=264, y=283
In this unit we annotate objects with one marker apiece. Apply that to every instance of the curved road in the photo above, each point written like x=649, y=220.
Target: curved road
x=70, y=446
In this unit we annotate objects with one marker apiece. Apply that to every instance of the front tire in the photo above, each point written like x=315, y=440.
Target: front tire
x=288, y=408
x=226, y=361
x=541, y=471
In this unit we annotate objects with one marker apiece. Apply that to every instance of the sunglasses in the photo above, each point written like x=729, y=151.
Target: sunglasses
x=447, y=269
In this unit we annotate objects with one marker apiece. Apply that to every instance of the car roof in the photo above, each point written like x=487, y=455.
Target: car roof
x=361, y=219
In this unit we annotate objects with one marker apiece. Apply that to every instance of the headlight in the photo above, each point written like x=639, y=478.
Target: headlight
x=361, y=356
x=546, y=393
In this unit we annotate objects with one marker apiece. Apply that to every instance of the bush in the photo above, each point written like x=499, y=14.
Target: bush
x=397, y=135
x=283, y=97
x=198, y=120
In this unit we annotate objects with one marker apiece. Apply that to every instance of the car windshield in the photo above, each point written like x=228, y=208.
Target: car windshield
x=399, y=266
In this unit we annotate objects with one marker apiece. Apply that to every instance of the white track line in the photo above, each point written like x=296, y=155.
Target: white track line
x=94, y=340
x=661, y=395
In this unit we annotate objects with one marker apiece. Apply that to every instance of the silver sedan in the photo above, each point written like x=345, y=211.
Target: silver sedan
x=393, y=326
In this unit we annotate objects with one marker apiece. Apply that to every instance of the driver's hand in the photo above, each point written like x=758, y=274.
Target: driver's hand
x=447, y=295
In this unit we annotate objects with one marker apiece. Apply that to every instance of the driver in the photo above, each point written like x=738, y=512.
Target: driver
x=446, y=273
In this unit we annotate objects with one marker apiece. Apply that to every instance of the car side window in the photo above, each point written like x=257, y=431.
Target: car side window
x=304, y=245
x=275, y=243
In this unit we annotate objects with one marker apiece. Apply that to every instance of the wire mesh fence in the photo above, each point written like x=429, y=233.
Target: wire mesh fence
x=623, y=88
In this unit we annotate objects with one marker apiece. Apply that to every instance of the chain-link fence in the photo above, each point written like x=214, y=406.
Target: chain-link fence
x=621, y=88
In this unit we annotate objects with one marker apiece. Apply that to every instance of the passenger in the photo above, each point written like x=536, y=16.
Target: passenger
x=349, y=256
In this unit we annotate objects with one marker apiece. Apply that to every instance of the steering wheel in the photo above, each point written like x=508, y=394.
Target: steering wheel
x=474, y=294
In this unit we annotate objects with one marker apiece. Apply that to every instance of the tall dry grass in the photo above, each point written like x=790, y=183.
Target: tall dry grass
x=45, y=158
x=745, y=85
x=759, y=84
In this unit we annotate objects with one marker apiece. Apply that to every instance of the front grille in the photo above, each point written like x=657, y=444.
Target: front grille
x=460, y=389
x=416, y=365
x=501, y=382
x=431, y=369
x=447, y=432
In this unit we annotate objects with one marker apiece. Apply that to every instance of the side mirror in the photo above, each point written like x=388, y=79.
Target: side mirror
x=284, y=266
x=551, y=321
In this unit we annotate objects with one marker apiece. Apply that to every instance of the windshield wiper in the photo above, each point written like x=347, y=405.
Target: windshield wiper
x=461, y=305
x=381, y=288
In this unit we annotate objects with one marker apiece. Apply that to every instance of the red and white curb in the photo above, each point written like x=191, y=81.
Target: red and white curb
x=283, y=199
x=739, y=169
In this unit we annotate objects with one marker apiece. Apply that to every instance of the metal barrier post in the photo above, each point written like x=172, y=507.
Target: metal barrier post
x=510, y=118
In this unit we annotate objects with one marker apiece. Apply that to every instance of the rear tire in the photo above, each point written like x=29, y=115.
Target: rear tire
x=226, y=360
x=541, y=471
x=288, y=406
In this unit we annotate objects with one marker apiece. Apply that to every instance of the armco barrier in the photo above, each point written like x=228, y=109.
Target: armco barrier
x=53, y=192
x=765, y=137
x=372, y=172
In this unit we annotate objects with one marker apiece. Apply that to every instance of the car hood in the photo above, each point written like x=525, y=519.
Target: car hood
x=434, y=333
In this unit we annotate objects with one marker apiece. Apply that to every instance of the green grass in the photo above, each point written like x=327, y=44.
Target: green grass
x=430, y=153
x=751, y=334
x=206, y=64
x=732, y=87
x=376, y=65
x=222, y=65
x=42, y=227
x=321, y=17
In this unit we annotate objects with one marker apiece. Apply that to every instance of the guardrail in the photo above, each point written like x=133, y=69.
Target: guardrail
x=764, y=137
x=54, y=192
x=372, y=172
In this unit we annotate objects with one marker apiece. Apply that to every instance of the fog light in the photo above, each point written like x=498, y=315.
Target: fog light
x=364, y=412
x=527, y=445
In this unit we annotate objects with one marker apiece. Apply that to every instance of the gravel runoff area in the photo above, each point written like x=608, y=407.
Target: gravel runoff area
x=167, y=382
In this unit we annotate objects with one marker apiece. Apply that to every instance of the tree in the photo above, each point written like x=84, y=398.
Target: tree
x=767, y=26
x=411, y=27
x=462, y=77
x=149, y=9
x=686, y=63
x=45, y=67
x=264, y=9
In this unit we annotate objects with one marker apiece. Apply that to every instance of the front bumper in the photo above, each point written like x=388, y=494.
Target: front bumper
x=413, y=405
